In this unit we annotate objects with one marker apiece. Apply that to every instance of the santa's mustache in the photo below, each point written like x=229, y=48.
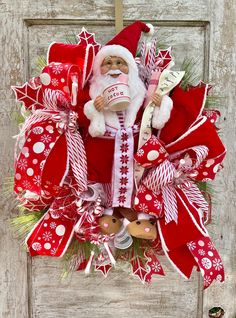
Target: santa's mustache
x=114, y=72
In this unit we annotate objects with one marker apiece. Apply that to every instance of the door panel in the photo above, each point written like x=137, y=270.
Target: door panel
x=196, y=29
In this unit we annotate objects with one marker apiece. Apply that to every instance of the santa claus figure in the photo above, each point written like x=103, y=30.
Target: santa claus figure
x=115, y=116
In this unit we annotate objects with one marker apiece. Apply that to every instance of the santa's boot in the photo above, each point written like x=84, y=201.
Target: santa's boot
x=109, y=223
x=144, y=227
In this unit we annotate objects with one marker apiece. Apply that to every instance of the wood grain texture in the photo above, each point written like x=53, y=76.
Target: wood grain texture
x=32, y=289
x=223, y=229
x=119, y=295
x=13, y=260
x=126, y=297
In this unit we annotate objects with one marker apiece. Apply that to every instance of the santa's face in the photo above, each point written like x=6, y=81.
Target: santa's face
x=114, y=66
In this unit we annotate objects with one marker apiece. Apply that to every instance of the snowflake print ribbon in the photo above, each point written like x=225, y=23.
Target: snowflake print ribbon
x=172, y=183
x=177, y=172
x=208, y=260
x=50, y=236
x=50, y=134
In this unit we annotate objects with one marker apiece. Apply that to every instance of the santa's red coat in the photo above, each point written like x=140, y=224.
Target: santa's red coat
x=100, y=152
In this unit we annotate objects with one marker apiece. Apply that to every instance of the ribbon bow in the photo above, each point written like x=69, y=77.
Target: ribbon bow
x=179, y=174
x=169, y=188
x=169, y=174
x=52, y=145
x=67, y=214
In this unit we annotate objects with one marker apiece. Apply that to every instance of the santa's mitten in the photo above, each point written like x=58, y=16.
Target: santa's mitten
x=109, y=223
x=162, y=114
x=144, y=227
x=97, y=121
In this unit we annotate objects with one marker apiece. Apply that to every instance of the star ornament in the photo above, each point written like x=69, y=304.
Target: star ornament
x=163, y=58
x=30, y=96
x=103, y=268
x=85, y=38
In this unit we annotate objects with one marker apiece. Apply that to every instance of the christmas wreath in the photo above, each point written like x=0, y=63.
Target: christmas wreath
x=111, y=158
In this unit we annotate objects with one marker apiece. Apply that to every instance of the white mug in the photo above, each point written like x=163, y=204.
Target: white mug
x=117, y=96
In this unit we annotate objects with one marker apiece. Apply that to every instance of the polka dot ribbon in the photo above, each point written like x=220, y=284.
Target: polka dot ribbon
x=207, y=259
x=42, y=131
x=156, y=193
x=51, y=235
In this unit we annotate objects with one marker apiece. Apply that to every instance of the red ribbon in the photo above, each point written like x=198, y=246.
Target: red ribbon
x=52, y=136
x=169, y=187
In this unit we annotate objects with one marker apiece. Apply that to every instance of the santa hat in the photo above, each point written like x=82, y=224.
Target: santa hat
x=124, y=45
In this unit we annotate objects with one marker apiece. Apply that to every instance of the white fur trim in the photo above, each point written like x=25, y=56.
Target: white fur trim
x=133, y=109
x=151, y=31
x=161, y=115
x=48, y=52
x=111, y=119
x=113, y=50
x=89, y=47
x=144, y=216
x=108, y=211
x=97, y=121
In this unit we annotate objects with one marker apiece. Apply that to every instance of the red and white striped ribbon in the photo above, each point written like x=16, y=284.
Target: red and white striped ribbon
x=170, y=204
x=67, y=121
x=76, y=151
x=166, y=177
x=160, y=176
x=194, y=195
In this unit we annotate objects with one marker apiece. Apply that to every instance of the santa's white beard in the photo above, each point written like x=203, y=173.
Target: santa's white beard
x=99, y=82
x=137, y=94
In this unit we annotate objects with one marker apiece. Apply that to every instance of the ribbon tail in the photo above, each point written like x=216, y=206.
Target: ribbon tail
x=81, y=221
x=182, y=260
x=208, y=260
x=77, y=158
x=170, y=204
x=29, y=122
x=50, y=236
x=194, y=195
x=108, y=249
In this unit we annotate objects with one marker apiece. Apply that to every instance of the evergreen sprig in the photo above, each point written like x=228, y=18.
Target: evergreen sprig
x=191, y=76
x=25, y=221
x=71, y=38
x=41, y=62
x=17, y=117
x=213, y=101
x=74, y=253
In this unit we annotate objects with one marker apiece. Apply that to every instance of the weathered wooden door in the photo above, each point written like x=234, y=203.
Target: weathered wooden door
x=32, y=287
